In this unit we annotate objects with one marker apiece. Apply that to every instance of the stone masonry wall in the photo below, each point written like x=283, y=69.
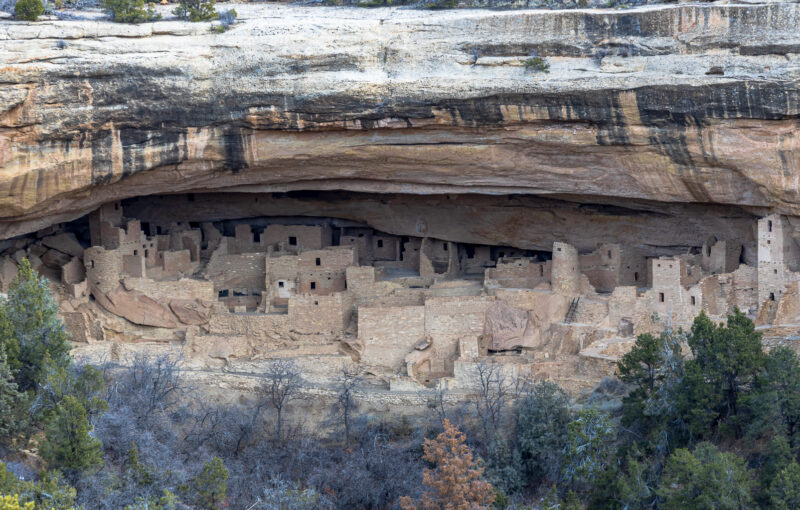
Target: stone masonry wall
x=247, y=271
x=259, y=326
x=449, y=318
x=321, y=282
x=388, y=334
x=332, y=259
x=185, y=288
x=311, y=314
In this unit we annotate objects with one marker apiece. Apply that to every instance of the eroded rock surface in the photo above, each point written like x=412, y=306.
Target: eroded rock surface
x=677, y=104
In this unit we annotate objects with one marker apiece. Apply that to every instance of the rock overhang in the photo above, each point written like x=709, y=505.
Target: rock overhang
x=688, y=104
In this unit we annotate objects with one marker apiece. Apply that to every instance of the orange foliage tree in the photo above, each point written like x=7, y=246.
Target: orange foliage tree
x=456, y=481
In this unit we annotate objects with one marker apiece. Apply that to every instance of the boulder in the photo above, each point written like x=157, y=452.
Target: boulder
x=505, y=326
x=8, y=270
x=65, y=243
x=423, y=344
x=138, y=308
x=36, y=250
x=625, y=327
x=73, y=271
x=220, y=349
x=191, y=311
x=55, y=259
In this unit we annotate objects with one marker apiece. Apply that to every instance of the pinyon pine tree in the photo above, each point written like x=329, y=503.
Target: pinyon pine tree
x=211, y=484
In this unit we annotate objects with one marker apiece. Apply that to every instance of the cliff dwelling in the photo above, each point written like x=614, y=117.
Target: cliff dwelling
x=229, y=279
x=415, y=213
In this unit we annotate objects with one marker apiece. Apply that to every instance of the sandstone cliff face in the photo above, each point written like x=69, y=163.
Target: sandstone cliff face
x=678, y=104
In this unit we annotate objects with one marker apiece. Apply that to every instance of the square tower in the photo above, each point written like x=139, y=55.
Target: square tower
x=778, y=257
x=669, y=297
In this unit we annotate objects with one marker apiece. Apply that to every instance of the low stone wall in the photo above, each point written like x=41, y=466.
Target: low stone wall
x=165, y=291
x=259, y=326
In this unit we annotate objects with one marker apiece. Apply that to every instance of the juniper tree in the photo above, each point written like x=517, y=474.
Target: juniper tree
x=68, y=442
x=84, y=382
x=542, y=419
x=10, y=400
x=30, y=328
x=588, y=450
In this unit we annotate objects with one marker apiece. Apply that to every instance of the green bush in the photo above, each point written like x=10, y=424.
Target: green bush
x=130, y=11
x=28, y=10
x=226, y=19
x=196, y=10
x=441, y=4
x=537, y=64
x=51, y=491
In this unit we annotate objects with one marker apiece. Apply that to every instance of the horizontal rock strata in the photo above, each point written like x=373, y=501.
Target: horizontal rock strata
x=673, y=104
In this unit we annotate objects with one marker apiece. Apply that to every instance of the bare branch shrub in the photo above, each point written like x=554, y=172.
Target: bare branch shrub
x=345, y=406
x=280, y=388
